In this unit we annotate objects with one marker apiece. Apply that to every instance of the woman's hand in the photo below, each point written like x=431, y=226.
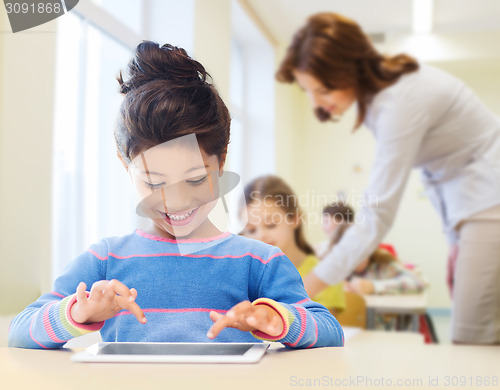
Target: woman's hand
x=359, y=286
x=452, y=263
x=107, y=297
x=247, y=317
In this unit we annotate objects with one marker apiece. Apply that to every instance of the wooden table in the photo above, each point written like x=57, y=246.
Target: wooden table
x=412, y=304
x=370, y=359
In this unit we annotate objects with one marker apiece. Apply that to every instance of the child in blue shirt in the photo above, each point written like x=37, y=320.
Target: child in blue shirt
x=181, y=278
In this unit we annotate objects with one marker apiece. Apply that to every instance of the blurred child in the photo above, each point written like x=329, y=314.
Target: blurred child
x=382, y=273
x=191, y=280
x=274, y=217
x=335, y=218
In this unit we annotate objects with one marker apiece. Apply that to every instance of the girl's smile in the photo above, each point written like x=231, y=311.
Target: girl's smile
x=180, y=219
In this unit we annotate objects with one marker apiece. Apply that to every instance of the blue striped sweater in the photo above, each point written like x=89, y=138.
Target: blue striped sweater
x=177, y=293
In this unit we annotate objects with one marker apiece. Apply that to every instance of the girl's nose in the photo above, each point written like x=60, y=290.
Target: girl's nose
x=174, y=199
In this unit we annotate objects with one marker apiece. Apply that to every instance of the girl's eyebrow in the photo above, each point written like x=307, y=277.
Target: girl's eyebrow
x=189, y=170
x=151, y=173
x=197, y=168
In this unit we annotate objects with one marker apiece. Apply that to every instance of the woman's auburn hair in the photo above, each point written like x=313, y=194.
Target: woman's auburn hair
x=335, y=50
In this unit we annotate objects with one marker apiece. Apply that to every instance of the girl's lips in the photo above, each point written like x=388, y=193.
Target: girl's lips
x=180, y=222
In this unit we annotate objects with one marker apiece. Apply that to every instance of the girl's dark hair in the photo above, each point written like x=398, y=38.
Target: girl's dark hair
x=336, y=51
x=275, y=189
x=337, y=235
x=344, y=215
x=168, y=95
x=340, y=211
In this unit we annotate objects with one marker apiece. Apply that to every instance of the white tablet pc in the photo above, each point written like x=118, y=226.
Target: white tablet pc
x=120, y=352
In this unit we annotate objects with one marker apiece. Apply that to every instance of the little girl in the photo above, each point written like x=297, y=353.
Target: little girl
x=382, y=273
x=274, y=217
x=180, y=279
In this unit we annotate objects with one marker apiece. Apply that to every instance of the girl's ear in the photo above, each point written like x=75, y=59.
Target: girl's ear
x=222, y=163
x=295, y=222
x=124, y=163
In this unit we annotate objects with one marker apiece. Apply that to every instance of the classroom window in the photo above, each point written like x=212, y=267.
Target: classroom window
x=90, y=187
x=252, y=148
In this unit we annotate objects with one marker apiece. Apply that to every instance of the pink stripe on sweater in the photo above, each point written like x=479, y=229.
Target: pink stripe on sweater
x=96, y=255
x=48, y=326
x=57, y=294
x=31, y=335
x=263, y=261
x=186, y=310
x=181, y=241
x=303, y=324
x=303, y=301
x=316, y=333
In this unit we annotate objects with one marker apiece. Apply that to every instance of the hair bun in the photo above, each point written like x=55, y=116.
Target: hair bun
x=170, y=63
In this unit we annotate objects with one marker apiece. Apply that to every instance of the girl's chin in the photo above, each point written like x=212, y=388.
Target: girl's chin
x=178, y=232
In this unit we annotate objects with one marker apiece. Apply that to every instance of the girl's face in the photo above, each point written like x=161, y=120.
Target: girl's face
x=329, y=224
x=333, y=101
x=177, y=186
x=270, y=224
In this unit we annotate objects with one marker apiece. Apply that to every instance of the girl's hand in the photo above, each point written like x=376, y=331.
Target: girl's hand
x=107, y=297
x=361, y=286
x=247, y=317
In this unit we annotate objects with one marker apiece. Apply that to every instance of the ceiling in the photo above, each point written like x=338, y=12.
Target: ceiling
x=283, y=17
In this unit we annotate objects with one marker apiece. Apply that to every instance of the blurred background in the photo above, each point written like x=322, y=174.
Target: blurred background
x=63, y=188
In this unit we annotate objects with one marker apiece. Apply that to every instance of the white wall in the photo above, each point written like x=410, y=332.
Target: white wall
x=212, y=41
x=287, y=114
x=26, y=104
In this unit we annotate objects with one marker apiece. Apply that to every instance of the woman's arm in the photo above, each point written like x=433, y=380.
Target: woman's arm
x=399, y=123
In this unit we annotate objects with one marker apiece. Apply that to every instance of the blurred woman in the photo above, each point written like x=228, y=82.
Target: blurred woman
x=421, y=117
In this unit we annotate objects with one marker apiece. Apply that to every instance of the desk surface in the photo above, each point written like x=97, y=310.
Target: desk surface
x=409, y=303
x=379, y=357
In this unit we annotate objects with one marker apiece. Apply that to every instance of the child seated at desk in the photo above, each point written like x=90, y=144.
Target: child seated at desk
x=274, y=217
x=190, y=280
x=382, y=273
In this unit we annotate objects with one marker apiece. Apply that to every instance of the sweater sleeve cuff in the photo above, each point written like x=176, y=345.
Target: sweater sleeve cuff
x=74, y=328
x=285, y=318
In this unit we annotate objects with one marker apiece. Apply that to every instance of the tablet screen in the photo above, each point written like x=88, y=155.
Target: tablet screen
x=174, y=349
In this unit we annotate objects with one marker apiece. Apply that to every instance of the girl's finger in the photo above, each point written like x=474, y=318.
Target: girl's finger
x=96, y=290
x=234, y=316
x=108, y=293
x=81, y=295
x=124, y=303
x=221, y=323
x=120, y=289
x=214, y=316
